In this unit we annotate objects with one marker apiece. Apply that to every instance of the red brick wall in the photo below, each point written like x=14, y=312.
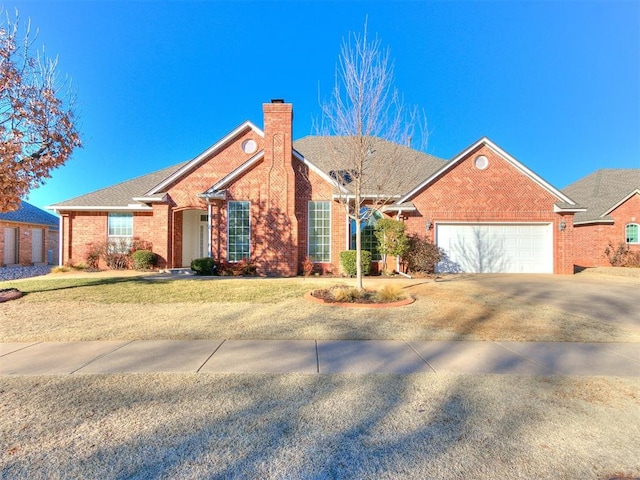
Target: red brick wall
x=80, y=230
x=500, y=193
x=592, y=240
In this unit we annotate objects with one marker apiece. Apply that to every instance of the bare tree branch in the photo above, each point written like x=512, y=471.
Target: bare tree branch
x=367, y=128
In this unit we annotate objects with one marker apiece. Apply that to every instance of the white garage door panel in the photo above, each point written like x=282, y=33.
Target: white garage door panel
x=496, y=248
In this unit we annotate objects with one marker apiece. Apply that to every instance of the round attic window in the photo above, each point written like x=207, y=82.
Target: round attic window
x=249, y=146
x=481, y=162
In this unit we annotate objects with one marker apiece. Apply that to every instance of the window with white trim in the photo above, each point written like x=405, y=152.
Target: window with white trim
x=238, y=230
x=120, y=231
x=319, y=231
x=631, y=233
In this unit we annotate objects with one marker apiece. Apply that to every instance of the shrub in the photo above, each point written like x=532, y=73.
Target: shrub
x=247, y=268
x=391, y=238
x=422, y=255
x=622, y=256
x=204, y=266
x=390, y=293
x=144, y=259
x=93, y=256
x=307, y=266
x=348, y=262
x=345, y=294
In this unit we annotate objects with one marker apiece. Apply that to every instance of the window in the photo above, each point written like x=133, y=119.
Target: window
x=120, y=231
x=239, y=231
x=368, y=239
x=320, y=231
x=631, y=233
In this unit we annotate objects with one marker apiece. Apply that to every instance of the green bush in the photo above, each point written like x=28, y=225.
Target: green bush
x=204, y=266
x=144, y=259
x=348, y=262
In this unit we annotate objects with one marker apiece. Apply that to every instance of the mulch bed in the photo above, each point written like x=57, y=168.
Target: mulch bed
x=9, y=294
x=325, y=297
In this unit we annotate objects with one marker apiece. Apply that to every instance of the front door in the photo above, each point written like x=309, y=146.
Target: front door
x=195, y=231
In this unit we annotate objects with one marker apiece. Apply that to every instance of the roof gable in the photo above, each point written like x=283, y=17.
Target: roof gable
x=504, y=155
x=209, y=152
x=631, y=194
x=602, y=191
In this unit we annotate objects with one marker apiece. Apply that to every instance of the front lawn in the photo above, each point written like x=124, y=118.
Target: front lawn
x=63, y=308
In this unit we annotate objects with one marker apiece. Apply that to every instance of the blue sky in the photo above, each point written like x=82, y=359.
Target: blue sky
x=556, y=84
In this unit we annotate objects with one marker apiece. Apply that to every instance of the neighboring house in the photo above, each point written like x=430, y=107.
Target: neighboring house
x=612, y=199
x=28, y=236
x=256, y=194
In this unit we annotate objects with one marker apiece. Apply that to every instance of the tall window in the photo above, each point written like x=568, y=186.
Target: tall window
x=631, y=233
x=367, y=227
x=320, y=231
x=120, y=231
x=239, y=231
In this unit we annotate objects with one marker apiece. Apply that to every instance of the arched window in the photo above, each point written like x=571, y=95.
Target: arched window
x=631, y=233
x=367, y=227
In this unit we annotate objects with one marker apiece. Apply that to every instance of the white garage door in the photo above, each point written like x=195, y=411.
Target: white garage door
x=496, y=248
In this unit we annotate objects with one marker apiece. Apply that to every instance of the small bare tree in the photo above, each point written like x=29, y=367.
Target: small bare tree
x=368, y=128
x=37, y=122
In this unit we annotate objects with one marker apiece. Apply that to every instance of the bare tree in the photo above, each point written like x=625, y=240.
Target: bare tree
x=368, y=128
x=37, y=121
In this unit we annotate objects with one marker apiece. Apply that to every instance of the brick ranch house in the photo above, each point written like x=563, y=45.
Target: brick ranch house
x=612, y=216
x=28, y=236
x=257, y=194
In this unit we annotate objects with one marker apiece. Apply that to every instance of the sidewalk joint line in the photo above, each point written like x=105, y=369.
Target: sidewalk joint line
x=20, y=349
x=101, y=356
x=421, y=357
x=212, y=354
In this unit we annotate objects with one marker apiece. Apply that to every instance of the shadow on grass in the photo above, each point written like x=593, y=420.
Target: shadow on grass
x=70, y=284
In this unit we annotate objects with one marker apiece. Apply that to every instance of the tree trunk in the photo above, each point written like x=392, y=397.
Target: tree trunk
x=359, y=284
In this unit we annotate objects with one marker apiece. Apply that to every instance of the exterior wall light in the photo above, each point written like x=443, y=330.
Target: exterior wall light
x=562, y=226
x=428, y=225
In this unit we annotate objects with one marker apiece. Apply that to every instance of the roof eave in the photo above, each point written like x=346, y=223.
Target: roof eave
x=99, y=208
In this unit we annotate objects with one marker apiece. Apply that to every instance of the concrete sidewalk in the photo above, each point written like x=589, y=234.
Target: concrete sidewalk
x=320, y=357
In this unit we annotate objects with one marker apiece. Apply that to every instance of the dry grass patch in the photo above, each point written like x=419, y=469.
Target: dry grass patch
x=318, y=426
x=139, y=309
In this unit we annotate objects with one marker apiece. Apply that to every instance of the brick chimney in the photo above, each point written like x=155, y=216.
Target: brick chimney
x=280, y=225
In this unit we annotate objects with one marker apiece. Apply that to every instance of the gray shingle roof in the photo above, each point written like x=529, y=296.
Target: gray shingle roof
x=602, y=190
x=412, y=165
x=28, y=213
x=121, y=194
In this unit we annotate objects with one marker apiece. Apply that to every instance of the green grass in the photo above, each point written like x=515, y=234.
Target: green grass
x=155, y=291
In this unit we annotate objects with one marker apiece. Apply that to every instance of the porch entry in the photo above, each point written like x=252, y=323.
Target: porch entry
x=195, y=240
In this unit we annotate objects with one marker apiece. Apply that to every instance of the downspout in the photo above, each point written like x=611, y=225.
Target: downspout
x=397, y=256
x=209, y=227
x=60, y=238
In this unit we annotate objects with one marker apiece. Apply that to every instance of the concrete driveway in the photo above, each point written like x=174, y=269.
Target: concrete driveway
x=614, y=300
